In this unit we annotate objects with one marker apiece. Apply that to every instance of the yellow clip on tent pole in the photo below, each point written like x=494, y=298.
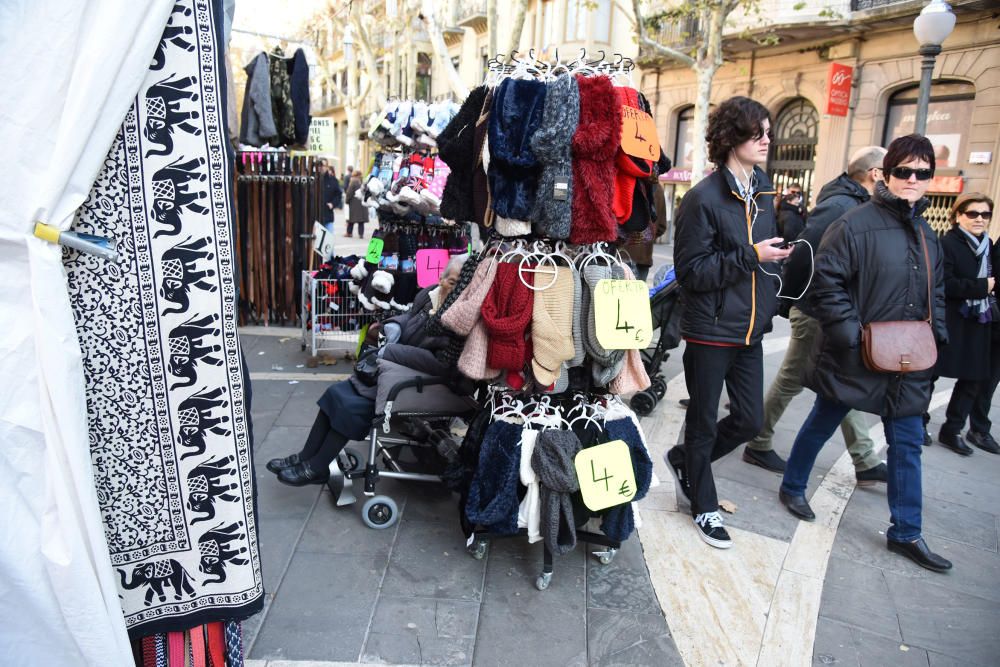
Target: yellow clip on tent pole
x=94, y=245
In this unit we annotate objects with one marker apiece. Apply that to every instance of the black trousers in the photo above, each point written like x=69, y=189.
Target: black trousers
x=963, y=397
x=706, y=368
x=979, y=418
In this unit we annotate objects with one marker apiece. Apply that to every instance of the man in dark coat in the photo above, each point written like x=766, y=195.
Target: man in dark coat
x=881, y=262
x=725, y=253
x=791, y=213
x=968, y=283
x=333, y=197
x=843, y=193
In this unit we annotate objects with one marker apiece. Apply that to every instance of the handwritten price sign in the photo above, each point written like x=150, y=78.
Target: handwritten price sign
x=430, y=265
x=622, y=315
x=374, y=252
x=605, y=475
x=639, y=134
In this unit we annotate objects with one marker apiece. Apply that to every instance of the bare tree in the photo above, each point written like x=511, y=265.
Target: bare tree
x=518, y=27
x=429, y=18
x=705, y=58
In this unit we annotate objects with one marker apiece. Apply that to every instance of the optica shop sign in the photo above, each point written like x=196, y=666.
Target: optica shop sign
x=838, y=89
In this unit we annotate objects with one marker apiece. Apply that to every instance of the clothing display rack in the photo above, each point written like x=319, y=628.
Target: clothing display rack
x=552, y=162
x=279, y=196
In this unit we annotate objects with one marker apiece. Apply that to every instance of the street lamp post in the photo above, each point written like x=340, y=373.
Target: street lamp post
x=931, y=27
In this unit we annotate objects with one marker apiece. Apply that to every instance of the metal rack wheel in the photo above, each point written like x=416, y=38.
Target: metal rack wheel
x=605, y=557
x=543, y=581
x=380, y=512
x=478, y=549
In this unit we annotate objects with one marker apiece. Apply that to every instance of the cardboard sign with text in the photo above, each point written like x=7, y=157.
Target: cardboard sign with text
x=639, y=134
x=430, y=265
x=622, y=315
x=605, y=475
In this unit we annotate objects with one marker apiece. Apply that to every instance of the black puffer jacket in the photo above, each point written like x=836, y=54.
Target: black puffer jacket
x=870, y=268
x=835, y=199
x=727, y=297
x=791, y=220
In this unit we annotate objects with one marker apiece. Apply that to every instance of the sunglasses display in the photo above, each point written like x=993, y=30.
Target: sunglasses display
x=905, y=173
x=972, y=215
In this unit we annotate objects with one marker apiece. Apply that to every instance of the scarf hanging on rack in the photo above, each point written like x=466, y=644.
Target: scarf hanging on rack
x=552, y=326
x=456, y=147
x=595, y=143
x=630, y=176
x=553, y=144
x=492, y=500
x=553, y=463
x=167, y=398
x=506, y=313
x=513, y=171
x=619, y=521
x=978, y=309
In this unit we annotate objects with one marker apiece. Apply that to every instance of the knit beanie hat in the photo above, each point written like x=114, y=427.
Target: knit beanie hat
x=455, y=146
x=595, y=144
x=552, y=461
x=462, y=315
x=472, y=362
x=404, y=290
x=629, y=169
x=552, y=327
x=513, y=170
x=506, y=312
x=492, y=500
x=553, y=145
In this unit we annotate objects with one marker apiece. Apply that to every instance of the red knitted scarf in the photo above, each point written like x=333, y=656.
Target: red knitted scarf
x=628, y=168
x=507, y=313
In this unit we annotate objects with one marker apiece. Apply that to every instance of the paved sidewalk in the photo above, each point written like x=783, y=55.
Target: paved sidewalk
x=788, y=593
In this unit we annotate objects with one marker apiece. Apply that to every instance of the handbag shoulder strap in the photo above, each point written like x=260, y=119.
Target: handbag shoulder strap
x=927, y=261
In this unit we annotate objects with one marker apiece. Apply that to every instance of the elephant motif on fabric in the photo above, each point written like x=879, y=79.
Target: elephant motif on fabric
x=158, y=576
x=172, y=194
x=181, y=273
x=164, y=115
x=185, y=348
x=204, y=487
x=196, y=420
x=216, y=551
x=178, y=36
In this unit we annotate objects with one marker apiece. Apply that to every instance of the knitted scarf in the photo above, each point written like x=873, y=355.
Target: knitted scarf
x=513, y=169
x=630, y=170
x=552, y=327
x=455, y=146
x=607, y=363
x=506, y=313
x=978, y=309
x=619, y=521
x=553, y=144
x=492, y=500
x=553, y=463
x=595, y=143
x=463, y=314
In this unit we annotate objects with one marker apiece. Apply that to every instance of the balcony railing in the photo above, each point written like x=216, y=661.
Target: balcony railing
x=680, y=34
x=864, y=5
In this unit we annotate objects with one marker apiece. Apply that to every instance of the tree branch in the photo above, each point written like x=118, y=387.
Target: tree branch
x=640, y=32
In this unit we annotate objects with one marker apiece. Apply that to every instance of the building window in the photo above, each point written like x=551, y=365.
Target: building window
x=423, y=76
x=588, y=19
x=548, y=21
x=949, y=117
x=792, y=156
x=684, y=137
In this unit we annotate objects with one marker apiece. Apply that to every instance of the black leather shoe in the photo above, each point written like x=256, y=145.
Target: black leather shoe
x=920, y=553
x=879, y=473
x=684, y=403
x=768, y=460
x=797, y=505
x=928, y=440
x=302, y=474
x=984, y=441
x=277, y=465
x=954, y=442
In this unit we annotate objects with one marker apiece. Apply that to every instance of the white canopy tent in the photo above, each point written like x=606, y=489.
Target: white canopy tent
x=73, y=68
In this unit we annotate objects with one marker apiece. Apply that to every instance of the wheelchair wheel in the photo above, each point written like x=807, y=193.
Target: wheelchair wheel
x=380, y=512
x=643, y=403
x=349, y=460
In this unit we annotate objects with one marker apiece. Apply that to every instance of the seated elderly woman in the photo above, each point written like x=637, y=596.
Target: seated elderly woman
x=347, y=408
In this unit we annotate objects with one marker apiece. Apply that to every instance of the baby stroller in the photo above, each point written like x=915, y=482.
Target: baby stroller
x=664, y=302
x=408, y=440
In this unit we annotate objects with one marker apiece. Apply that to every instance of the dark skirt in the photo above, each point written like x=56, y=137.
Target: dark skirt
x=350, y=413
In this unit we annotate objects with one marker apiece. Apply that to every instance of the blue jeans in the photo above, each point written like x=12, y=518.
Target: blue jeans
x=904, y=436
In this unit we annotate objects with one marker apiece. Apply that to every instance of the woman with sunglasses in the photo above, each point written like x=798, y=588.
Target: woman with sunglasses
x=969, y=281
x=871, y=267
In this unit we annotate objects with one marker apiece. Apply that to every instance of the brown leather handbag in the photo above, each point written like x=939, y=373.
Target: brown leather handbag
x=902, y=347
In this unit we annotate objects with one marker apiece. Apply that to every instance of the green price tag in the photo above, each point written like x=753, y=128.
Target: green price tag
x=621, y=314
x=605, y=475
x=374, y=253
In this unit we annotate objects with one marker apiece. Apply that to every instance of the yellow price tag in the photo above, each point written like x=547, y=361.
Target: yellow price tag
x=622, y=315
x=605, y=475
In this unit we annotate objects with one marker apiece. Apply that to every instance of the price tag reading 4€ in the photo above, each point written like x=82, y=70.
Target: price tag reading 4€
x=639, y=137
x=374, y=253
x=622, y=315
x=605, y=475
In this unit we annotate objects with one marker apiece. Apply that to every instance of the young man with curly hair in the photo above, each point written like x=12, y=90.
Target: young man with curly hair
x=725, y=250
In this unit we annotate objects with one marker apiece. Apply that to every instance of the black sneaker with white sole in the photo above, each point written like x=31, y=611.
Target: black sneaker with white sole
x=709, y=525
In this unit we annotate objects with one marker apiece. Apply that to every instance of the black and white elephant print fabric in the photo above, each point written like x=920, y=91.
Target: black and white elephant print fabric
x=165, y=395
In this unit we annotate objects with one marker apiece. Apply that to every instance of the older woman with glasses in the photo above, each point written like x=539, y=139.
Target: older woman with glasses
x=971, y=314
